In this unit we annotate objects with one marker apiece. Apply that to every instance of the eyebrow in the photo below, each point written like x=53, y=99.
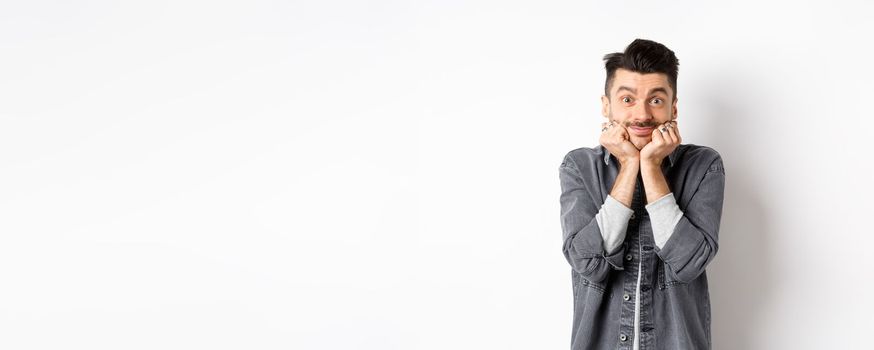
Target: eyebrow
x=634, y=91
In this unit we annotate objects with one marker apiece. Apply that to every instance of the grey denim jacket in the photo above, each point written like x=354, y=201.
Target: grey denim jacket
x=674, y=300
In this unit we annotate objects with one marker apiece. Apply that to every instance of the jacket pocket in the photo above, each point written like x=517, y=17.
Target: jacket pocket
x=666, y=276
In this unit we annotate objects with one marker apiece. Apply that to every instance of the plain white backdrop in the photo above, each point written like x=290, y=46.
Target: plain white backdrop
x=384, y=174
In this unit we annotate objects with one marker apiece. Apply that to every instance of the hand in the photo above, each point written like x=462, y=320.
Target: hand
x=616, y=140
x=662, y=144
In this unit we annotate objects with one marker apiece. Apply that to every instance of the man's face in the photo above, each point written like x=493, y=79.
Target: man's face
x=639, y=102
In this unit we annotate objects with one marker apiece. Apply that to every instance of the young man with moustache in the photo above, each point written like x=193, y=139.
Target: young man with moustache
x=640, y=215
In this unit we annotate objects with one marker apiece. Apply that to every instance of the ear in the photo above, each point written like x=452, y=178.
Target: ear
x=674, y=110
x=605, y=106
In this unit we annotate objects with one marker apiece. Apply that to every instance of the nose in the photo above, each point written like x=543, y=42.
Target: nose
x=642, y=113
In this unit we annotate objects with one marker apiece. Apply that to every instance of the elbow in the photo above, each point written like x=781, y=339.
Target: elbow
x=698, y=264
x=586, y=254
x=688, y=251
x=593, y=267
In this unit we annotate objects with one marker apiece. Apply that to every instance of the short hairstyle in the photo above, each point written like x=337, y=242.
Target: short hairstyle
x=643, y=56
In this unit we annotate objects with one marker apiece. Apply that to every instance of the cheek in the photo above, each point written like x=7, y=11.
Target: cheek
x=620, y=117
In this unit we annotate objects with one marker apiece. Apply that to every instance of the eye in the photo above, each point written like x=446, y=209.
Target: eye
x=626, y=99
x=657, y=100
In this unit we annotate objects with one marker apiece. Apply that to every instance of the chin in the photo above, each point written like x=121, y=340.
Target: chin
x=644, y=140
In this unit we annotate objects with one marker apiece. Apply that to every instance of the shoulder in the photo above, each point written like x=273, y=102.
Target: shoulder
x=583, y=157
x=701, y=156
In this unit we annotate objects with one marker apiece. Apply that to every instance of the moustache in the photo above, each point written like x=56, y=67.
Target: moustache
x=641, y=124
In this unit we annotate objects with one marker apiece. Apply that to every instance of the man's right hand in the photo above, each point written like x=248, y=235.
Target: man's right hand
x=616, y=140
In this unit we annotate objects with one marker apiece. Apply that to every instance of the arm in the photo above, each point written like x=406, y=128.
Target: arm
x=694, y=240
x=583, y=243
x=664, y=215
x=661, y=204
x=613, y=223
x=615, y=213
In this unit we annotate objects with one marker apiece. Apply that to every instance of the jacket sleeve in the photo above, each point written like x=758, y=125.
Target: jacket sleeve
x=695, y=239
x=582, y=243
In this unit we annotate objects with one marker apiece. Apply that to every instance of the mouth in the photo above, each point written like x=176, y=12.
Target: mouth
x=641, y=131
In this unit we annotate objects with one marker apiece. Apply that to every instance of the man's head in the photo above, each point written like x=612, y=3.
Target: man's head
x=641, y=88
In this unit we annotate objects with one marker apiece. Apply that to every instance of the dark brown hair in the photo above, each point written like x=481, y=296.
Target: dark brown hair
x=643, y=56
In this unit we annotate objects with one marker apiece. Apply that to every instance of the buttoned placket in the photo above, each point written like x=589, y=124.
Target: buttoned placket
x=640, y=243
x=626, y=318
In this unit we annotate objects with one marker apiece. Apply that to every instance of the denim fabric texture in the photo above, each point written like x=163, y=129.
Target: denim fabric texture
x=675, y=300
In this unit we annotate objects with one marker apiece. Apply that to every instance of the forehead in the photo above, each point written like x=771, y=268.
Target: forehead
x=643, y=83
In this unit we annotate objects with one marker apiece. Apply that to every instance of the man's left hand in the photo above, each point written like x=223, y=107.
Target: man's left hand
x=662, y=144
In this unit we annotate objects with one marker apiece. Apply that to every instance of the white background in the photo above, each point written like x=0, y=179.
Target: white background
x=384, y=175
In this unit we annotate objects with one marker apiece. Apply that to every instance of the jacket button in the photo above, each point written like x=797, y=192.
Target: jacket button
x=633, y=216
x=629, y=257
x=622, y=337
x=626, y=297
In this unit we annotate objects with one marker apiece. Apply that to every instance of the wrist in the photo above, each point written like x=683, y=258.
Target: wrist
x=631, y=165
x=651, y=162
x=650, y=168
x=629, y=161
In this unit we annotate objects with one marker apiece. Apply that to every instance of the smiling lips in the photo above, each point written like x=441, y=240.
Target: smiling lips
x=642, y=131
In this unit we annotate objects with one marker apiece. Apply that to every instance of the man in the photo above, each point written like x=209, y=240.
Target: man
x=640, y=215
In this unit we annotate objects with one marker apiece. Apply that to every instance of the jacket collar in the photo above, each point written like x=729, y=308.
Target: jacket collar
x=672, y=158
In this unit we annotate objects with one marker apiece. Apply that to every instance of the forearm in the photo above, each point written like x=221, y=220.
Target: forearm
x=695, y=238
x=653, y=181
x=613, y=223
x=664, y=215
x=583, y=245
x=623, y=188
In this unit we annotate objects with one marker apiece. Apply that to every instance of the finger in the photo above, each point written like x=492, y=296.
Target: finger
x=670, y=135
x=677, y=132
x=605, y=126
x=663, y=134
x=611, y=135
x=657, y=135
x=622, y=131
